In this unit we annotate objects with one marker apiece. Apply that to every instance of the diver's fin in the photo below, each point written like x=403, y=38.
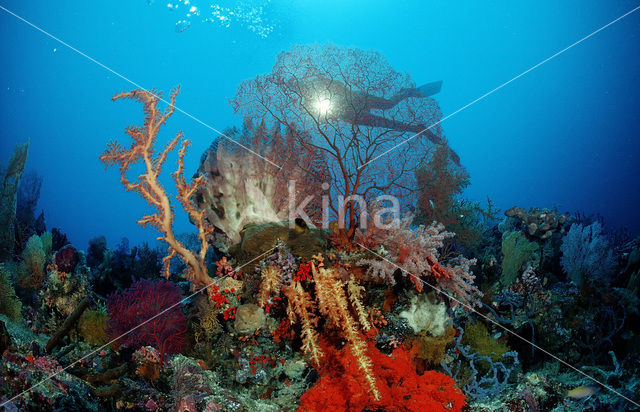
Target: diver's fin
x=430, y=89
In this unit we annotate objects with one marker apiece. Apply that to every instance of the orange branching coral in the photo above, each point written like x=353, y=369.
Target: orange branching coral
x=270, y=286
x=149, y=187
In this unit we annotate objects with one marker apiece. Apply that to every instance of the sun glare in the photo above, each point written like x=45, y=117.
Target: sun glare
x=323, y=106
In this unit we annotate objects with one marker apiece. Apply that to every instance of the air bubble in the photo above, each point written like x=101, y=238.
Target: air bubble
x=249, y=14
x=182, y=25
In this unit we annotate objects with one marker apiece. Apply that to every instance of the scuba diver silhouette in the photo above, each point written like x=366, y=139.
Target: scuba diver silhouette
x=332, y=99
x=369, y=102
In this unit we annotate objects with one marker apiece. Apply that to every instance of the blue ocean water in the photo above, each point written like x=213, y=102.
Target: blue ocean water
x=564, y=134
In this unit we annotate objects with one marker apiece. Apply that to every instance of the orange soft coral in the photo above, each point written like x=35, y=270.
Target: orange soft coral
x=341, y=386
x=150, y=188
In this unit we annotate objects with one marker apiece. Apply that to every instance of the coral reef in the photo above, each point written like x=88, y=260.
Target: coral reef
x=195, y=389
x=476, y=336
x=333, y=303
x=66, y=259
x=248, y=318
x=440, y=182
x=66, y=326
x=112, y=268
x=479, y=376
x=61, y=391
x=96, y=251
x=58, y=239
x=302, y=241
x=31, y=269
x=62, y=292
x=92, y=327
x=429, y=351
x=426, y=315
x=28, y=195
x=270, y=285
x=148, y=363
x=632, y=271
x=348, y=136
x=303, y=314
x=243, y=189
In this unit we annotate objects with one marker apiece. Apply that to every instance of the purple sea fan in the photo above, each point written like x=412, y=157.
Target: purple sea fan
x=587, y=255
x=140, y=315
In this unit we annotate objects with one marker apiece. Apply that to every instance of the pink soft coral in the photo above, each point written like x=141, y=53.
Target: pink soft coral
x=415, y=253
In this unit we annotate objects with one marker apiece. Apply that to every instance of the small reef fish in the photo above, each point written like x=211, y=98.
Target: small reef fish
x=582, y=392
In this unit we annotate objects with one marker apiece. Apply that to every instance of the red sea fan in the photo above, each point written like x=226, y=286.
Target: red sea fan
x=131, y=316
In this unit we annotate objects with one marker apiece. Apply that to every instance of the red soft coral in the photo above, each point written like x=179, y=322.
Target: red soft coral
x=341, y=387
x=304, y=272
